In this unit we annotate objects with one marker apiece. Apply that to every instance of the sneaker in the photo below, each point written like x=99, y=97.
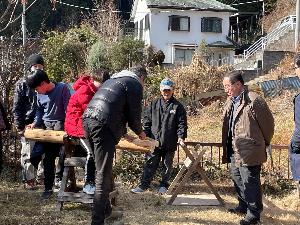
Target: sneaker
x=57, y=183
x=89, y=188
x=137, y=190
x=118, y=222
x=47, y=194
x=162, y=190
x=252, y=221
x=30, y=184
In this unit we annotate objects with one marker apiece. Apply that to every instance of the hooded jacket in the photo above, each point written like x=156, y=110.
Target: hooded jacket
x=84, y=92
x=118, y=102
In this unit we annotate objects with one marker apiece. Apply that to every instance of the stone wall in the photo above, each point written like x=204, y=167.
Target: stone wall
x=271, y=59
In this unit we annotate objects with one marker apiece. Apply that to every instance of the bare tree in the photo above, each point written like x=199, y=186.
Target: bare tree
x=106, y=21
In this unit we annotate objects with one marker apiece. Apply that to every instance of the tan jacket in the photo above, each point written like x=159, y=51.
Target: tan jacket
x=253, y=130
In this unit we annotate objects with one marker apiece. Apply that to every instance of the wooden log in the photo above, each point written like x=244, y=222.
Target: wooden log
x=44, y=135
x=57, y=137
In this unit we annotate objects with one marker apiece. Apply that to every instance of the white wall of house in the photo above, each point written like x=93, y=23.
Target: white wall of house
x=161, y=38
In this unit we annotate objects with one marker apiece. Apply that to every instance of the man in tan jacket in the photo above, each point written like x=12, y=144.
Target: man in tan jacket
x=248, y=127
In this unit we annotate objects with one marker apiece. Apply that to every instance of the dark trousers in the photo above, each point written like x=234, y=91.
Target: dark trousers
x=1, y=154
x=51, y=151
x=247, y=184
x=152, y=163
x=103, y=148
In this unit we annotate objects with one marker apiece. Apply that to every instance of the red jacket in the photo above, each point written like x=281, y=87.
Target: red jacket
x=84, y=92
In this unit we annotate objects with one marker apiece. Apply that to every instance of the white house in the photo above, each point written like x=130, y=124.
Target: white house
x=177, y=27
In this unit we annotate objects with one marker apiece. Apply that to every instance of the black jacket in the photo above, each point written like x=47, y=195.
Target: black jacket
x=4, y=123
x=165, y=122
x=118, y=102
x=24, y=106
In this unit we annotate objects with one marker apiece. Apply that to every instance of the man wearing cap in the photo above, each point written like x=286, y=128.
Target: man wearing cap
x=165, y=121
x=24, y=108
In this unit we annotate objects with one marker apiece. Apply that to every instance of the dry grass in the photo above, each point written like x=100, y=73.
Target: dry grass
x=24, y=207
x=18, y=206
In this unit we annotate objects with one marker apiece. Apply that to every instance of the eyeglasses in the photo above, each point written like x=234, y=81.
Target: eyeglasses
x=228, y=85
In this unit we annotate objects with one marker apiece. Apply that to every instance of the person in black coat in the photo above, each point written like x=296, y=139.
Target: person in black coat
x=24, y=109
x=165, y=120
x=4, y=125
x=118, y=102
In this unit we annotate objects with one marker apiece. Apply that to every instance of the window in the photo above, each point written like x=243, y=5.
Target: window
x=136, y=29
x=141, y=29
x=183, y=56
x=179, y=23
x=211, y=24
x=147, y=22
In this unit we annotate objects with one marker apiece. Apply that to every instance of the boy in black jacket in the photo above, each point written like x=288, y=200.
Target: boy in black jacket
x=165, y=121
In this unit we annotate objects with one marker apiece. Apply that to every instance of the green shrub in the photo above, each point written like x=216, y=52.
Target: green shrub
x=126, y=53
x=65, y=52
x=98, y=56
x=129, y=167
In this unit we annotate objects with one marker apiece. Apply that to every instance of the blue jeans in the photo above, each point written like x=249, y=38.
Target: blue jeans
x=294, y=155
x=103, y=148
x=247, y=184
x=152, y=163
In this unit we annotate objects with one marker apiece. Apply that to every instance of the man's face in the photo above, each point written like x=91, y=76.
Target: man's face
x=41, y=89
x=35, y=67
x=166, y=94
x=232, y=90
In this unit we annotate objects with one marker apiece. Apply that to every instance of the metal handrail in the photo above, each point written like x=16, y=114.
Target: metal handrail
x=286, y=24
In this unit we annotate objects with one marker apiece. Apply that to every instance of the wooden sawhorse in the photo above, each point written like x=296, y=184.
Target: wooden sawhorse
x=191, y=164
x=69, y=174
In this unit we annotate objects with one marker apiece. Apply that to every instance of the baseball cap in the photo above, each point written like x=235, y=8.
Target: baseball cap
x=166, y=84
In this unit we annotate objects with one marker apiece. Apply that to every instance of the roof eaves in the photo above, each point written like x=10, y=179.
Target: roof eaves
x=192, y=8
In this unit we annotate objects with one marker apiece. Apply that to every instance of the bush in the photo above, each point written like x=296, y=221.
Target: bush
x=129, y=167
x=98, y=56
x=126, y=53
x=65, y=53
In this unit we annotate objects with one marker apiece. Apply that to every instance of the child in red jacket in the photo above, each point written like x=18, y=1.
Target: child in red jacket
x=85, y=88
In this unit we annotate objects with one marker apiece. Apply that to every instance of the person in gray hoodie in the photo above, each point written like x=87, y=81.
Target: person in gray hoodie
x=117, y=103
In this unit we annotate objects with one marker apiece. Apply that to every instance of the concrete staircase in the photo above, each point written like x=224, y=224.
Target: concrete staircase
x=269, y=50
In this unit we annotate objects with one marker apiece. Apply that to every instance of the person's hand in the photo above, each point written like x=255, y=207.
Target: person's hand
x=20, y=132
x=180, y=140
x=30, y=126
x=142, y=136
x=128, y=137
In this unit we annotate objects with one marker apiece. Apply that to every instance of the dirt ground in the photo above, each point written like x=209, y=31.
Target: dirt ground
x=19, y=206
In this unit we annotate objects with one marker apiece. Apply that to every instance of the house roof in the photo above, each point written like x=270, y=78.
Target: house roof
x=201, y=5
x=221, y=44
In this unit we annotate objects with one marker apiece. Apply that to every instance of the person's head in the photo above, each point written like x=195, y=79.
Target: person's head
x=39, y=81
x=166, y=88
x=141, y=72
x=35, y=62
x=233, y=83
x=99, y=76
x=297, y=64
